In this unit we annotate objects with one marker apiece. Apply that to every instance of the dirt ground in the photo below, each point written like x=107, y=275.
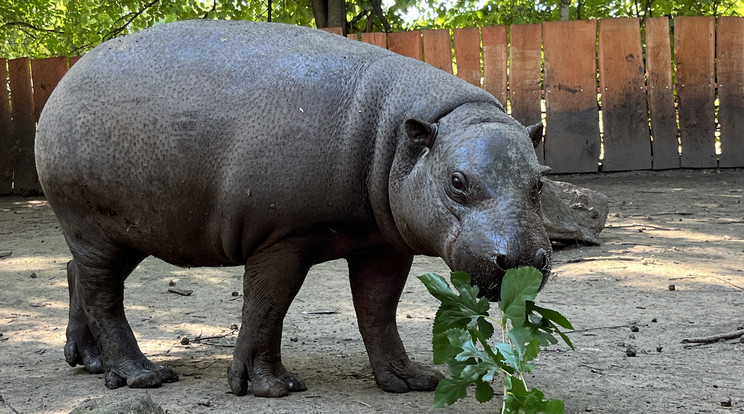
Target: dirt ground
x=681, y=228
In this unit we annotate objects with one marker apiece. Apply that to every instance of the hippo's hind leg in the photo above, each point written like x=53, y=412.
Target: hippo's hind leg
x=98, y=334
x=377, y=281
x=272, y=278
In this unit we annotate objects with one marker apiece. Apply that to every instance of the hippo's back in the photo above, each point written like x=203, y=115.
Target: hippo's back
x=198, y=129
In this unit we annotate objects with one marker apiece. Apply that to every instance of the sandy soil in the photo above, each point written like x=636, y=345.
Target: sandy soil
x=680, y=228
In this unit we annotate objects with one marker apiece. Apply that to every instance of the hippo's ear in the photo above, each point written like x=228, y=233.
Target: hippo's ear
x=420, y=132
x=536, y=132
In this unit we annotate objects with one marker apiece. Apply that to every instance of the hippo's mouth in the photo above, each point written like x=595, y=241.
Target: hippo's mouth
x=490, y=287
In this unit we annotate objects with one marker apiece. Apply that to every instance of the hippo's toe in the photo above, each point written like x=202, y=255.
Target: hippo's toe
x=409, y=377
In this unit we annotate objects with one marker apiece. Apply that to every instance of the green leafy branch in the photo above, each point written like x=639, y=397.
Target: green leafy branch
x=463, y=328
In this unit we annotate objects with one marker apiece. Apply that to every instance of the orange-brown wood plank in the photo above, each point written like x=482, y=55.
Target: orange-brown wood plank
x=353, y=36
x=467, y=54
x=494, y=61
x=375, y=38
x=23, y=127
x=525, y=76
x=572, y=142
x=406, y=43
x=74, y=60
x=660, y=90
x=627, y=142
x=335, y=30
x=730, y=57
x=6, y=165
x=694, y=54
x=46, y=74
x=438, y=49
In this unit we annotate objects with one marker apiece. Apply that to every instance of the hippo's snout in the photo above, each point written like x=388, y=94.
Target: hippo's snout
x=489, y=282
x=541, y=262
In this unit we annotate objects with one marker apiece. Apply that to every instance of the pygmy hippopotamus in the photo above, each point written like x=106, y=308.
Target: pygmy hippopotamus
x=276, y=147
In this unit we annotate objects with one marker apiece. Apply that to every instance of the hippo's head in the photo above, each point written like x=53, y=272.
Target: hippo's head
x=467, y=188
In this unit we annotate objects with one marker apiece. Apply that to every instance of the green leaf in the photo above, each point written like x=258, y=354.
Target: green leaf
x=518, y=286
x=483, y=391
x=448, y=391
x=550, y=315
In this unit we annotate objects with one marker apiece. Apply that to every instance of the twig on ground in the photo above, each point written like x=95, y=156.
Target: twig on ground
x=714, y=338
x=599, y=258
x=650, y=226
x=597, y=328
x=182, y=292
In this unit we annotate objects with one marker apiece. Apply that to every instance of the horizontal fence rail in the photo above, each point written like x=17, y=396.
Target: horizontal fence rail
x=613, y=94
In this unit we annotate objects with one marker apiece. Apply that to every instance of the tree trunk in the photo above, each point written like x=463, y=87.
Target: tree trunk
x=565, y=9
x=329, y=13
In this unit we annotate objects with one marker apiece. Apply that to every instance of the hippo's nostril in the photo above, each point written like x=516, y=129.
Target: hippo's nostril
x=501, y=262
x=541, y=259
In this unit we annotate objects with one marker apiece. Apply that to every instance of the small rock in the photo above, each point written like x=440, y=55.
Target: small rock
x=205, y=403
x=33, y=275
x=659, y=348
x=631, y=352
x=654, y=320
x=294, y=339
x=119, y=403
x=672, y=287
x=633, y=328
x=233, y=327
x=726, y=402
x=5, y=253
x=235, y=293
x=185, y=340
x=171, y=283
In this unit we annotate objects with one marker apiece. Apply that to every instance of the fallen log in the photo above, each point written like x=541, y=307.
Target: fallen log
x=572, y=213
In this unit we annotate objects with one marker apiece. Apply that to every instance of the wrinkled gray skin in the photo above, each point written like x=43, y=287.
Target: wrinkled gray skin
x=276, y=147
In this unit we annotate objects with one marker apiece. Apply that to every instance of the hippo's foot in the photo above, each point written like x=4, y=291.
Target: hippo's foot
x=80, y=348
x=407, y=376
x=138, y=373
x=267, y=379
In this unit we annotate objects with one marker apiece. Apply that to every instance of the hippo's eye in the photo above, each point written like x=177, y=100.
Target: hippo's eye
x=459, y=182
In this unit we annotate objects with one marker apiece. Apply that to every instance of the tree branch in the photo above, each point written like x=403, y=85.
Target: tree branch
x=214, y=7
x=377, y=7
x=30, y=26
x=115, y=32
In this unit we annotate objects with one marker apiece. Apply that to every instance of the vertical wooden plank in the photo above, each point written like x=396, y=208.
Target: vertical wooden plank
x=525, y=76
x=572, y=142
x=74, y=60
x=406, y=43
x=494, y=61
x=467, y=55
x=627, y=143
x=375, y=38
x=6, y=166
x=353, y=36
x=335, y=30
x=730, y=57
x=46, y=74
x=664, y=146
x=694, y=54
x=25, y=178
x=437, y=49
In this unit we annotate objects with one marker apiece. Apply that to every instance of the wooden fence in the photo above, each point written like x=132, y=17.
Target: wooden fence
x=611, y=99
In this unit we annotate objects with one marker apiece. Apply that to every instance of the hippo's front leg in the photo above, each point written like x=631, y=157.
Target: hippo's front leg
x=271, y=281
x=377, y=281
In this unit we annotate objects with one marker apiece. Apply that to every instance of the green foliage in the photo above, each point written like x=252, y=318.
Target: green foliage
x=42, y=28
x=463, y=328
